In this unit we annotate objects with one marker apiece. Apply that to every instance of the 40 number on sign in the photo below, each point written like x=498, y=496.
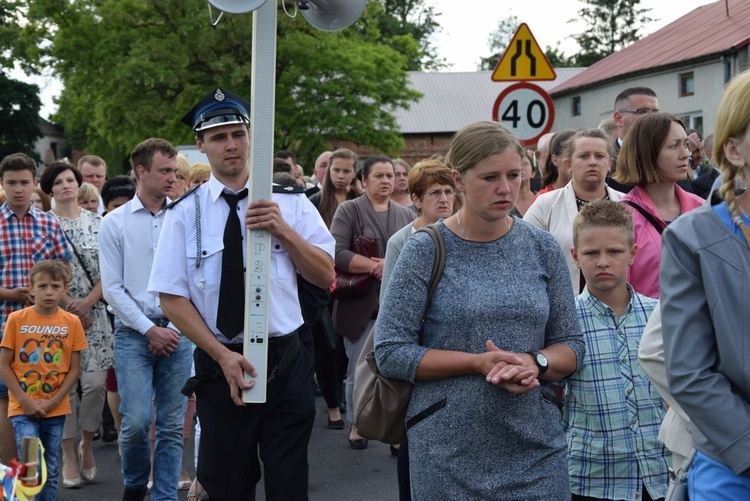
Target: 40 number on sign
x=527, y=110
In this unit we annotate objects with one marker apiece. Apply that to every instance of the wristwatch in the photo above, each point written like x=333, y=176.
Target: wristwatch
x=540, y=360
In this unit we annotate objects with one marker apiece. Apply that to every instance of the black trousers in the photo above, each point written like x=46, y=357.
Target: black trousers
x=330, y=362
x=232, y=437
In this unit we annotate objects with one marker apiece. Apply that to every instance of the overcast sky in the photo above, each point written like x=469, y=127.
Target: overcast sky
x=467, y=24
x=466, y=27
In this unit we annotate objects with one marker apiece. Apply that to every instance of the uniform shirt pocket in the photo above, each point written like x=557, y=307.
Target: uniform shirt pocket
x=204, y=261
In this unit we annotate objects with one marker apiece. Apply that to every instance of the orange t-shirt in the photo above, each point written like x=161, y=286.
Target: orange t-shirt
x=42, y=347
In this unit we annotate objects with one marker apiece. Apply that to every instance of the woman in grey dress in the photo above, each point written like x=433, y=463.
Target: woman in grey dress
x=501, y=326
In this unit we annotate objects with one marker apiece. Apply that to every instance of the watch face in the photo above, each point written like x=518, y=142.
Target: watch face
x=541, y=359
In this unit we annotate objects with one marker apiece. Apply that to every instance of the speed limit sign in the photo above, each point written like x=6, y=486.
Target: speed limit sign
x=526, y=109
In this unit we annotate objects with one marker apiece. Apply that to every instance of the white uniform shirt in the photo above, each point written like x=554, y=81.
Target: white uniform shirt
x=127, y=242
x=174, y=271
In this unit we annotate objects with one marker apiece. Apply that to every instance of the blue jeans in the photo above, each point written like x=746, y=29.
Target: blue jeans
x=49, y=431
x=140, y=374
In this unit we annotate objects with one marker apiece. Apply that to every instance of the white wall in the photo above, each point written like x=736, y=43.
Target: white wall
x=597, y=104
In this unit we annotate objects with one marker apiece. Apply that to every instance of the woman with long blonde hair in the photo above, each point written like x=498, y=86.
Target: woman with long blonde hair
x=705, y=319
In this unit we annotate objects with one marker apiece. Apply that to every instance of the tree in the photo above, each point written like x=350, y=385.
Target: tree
x=499, y=40
x=610, y=26
x=557, y=58
x=19, y=128
x=19, y=101
x=404, y=22
x=132, y=68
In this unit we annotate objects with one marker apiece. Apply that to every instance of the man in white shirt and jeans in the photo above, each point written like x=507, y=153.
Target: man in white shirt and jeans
x=151, y=357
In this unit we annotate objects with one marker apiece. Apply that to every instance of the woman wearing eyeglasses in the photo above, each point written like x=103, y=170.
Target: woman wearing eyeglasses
x=433, y=192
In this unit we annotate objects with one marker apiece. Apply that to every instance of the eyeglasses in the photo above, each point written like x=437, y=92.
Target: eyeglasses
x=436, y=194
x=640, y=111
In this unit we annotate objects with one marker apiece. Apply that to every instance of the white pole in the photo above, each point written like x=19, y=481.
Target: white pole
x=258, y=257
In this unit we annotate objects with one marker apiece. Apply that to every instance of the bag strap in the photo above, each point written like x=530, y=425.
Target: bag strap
x=651, y=219
x=682, y=471
x=439, y=263
x=78, y=256
x=437, y=267
x=359, y=219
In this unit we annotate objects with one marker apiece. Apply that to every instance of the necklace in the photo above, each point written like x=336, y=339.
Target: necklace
x=458, y=218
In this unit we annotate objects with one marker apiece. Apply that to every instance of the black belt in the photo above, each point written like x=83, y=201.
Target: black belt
x=290, y=341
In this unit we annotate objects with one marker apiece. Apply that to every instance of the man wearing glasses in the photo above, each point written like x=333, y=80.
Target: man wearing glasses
x=630, y=105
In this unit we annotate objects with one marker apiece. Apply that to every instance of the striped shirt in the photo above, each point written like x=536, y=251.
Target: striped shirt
x=612, y=411
x=25, y=241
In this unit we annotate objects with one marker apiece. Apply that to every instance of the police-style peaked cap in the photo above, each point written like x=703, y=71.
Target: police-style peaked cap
x=218, y=107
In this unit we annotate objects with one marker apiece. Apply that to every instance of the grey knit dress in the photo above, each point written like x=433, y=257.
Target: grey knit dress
x=469, y=439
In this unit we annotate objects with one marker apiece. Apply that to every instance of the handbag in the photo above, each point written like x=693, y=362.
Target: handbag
x=678, y=489
x=355, y=285
x=380, y=403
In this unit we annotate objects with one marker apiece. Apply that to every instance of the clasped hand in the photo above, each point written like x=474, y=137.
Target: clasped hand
x=508, y=370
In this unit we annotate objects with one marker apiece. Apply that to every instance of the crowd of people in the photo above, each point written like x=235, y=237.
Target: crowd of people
x=587, y=333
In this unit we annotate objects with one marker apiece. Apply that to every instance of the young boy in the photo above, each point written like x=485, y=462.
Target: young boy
x=612, y=411
x=27, y=236
x=40, y=359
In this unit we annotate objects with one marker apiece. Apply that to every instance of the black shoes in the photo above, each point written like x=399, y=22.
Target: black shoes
x=336, y=425
x=357, y=445
x=134, y=494
x=109, y=433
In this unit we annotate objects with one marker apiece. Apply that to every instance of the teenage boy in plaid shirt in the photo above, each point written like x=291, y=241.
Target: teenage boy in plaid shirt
x=612, y=411
x=27, y=236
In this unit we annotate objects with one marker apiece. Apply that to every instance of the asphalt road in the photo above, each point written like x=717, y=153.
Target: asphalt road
x=336, y=471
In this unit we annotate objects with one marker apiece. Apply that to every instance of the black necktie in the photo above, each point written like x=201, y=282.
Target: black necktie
x=230, y=317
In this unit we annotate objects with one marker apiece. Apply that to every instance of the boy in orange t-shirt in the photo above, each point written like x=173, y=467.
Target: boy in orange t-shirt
x=40, y=359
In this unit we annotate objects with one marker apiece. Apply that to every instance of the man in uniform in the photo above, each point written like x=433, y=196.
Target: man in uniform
x=198, y=297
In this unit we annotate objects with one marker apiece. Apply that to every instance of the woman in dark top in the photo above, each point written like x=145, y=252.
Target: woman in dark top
x=380, y=218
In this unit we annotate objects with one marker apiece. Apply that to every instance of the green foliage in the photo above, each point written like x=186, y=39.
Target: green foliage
x=610, y=26
x=132, y=68
x=557, y=58
x=19, y=106
x=499, y=40
x=408, y=21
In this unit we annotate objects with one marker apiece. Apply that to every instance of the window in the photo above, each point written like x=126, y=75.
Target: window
x=693, y=120
x=687, y=84
x=576, y=106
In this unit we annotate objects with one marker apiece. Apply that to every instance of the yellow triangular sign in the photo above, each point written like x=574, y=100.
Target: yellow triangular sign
x=523, y=60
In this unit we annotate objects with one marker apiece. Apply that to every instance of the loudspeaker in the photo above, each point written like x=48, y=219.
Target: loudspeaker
x=237, y=6
x=332, y=15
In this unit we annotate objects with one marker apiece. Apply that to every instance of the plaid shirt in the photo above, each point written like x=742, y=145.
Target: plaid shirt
x=612, y=411
x=23, y=242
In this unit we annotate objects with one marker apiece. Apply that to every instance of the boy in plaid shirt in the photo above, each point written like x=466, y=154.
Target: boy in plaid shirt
x=612, y=411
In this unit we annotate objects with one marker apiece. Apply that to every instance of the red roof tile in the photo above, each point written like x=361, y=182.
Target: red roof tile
x=704, y=33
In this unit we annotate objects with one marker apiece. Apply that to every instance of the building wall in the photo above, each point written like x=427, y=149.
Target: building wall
x=598, y=104
x=418, y=147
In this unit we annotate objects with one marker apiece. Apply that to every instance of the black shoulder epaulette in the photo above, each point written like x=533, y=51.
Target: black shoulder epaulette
x=183, y=197
x=288, y=189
